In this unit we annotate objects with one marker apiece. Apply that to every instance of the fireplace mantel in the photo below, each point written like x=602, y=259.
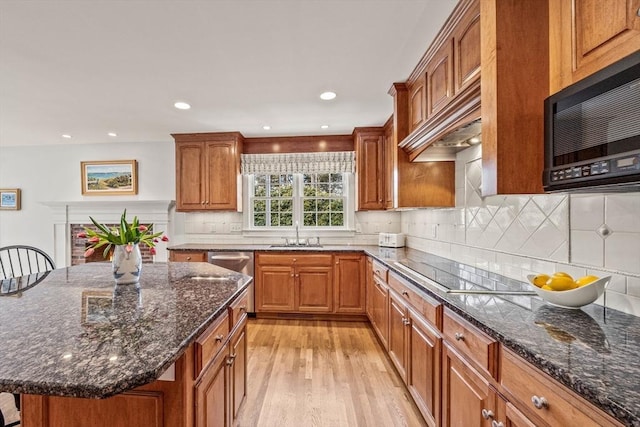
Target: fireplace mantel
x=66, y=213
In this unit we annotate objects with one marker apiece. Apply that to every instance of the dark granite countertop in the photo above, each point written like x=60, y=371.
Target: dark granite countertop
x=272, y=248
x=593, y=350
x=75, y=334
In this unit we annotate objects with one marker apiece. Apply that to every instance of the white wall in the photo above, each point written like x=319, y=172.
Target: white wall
x=52, y=173
x=523, y=234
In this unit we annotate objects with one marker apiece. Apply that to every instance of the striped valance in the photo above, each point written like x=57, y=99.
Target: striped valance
x=325, y=162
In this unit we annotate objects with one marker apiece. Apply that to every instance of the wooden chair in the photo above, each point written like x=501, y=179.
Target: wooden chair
x=21, y=267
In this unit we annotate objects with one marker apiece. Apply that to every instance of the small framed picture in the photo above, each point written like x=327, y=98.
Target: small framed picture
x=108, y=178
x=10, y=198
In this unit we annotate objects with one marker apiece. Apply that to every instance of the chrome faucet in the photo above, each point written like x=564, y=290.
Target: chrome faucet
x=297, y=234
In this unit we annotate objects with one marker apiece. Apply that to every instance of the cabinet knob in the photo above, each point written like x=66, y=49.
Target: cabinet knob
x=294, y=260
x=188, y=258
x=539, y=402
x=495, y=423
x=207, y=202
x=487, y=414
x=219, y=338
x=459, y=336
x=242, y=308
x=638, y=12
x=297, y=275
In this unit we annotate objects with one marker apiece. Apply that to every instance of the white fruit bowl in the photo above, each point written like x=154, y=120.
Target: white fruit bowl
x=574, y=298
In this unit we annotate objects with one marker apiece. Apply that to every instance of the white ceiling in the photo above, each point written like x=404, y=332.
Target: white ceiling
x=89, y=67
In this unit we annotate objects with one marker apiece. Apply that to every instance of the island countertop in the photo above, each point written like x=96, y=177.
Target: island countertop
x=75, y=334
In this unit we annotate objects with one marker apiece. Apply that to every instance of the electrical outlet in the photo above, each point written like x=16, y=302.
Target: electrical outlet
x=236, y=227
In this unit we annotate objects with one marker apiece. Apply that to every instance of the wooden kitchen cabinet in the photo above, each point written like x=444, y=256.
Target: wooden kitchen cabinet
x=465, y=393
x=398, y=322
x=417, y=100
x=211, y=393
x=369, y=168
x=439, y=79
x=208, y=171
x=588, y=35
x=466, y=50
x=238, y=369
x=294, y=283
x=379, y=316
x=349, y=283
x=188, y=256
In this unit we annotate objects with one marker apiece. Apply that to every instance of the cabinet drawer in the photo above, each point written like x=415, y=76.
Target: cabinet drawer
x=295, y=259
x=188, y=256
x=238, y=308
x=428, y=307
x=211, y=341
x=479, y=348
x=525, y=384
x=380, y=270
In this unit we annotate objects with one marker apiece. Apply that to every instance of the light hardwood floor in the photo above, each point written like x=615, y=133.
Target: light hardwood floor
x=321, y=373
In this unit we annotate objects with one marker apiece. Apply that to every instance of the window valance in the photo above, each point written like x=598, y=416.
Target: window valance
x=325, y=162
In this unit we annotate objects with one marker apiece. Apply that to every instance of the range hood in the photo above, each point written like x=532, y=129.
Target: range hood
x=445, y=148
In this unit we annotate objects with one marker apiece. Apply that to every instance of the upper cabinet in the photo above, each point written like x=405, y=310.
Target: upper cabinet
x=369, y=168
x=588, y=35
x=515, y=82
x=444, y=88
x=208, y=171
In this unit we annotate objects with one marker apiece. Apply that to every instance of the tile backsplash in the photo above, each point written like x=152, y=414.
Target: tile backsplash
x=523, y=234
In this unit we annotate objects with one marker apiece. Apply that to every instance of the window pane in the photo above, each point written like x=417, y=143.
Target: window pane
x=324, y=205
x=286, y=219
x=310, y=205
x=323, y=177
x=259, y=220
x=337, y=220
x=259, y=206
x=275, y=219
x=309, y=220
x=323, y=219
x=286, y=205
x=337, y=205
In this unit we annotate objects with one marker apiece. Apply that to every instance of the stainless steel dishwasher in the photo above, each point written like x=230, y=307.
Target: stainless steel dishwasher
x=241, y=262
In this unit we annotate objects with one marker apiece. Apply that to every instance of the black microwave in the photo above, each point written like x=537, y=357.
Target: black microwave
x=592, y=132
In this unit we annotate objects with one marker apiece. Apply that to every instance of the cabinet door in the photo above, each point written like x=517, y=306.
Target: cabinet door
x=349, y=289
x=368, y=286
x=369, y=161
x=417, y=98
x=314, y=289
x=379, y=292
x=211, y=397
x=222, y=173
x=465, y=393
x=389, y=164
x=466, y=46
x=238, y=368
x=397, y=333
x=440, y=79
x=275, y=287
x=190, y=176
x=424, y=373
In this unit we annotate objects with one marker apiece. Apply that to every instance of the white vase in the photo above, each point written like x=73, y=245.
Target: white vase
x=127, y=265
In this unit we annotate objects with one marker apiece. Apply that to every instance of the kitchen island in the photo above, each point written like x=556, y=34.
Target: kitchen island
x=74, y=338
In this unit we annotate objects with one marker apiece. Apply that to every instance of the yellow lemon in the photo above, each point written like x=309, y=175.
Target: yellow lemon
x=585, y=280
x=546, y=288
x=540, y=280
x=562, y=274
x=561, y=283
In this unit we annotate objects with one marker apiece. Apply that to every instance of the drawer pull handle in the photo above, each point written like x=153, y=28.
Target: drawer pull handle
x=242, y=308
x=405, y=293
x=539, y=402
x=458, y=336
x=487, y=414
x=405, y=321
x=219, y=338
x=495, y=423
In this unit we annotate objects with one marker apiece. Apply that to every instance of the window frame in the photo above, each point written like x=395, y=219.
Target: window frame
x=298, y=211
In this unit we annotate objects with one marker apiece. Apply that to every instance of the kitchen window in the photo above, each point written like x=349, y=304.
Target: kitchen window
x=315, y=195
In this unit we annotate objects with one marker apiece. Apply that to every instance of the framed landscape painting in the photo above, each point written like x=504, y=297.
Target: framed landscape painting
x=10, y=198
x=112, y=177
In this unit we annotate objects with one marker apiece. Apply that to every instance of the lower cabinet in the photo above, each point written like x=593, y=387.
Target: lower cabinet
x=311, y=283
x=378, y=294
x=188, y=256
x=465, y=393
x=397, y=333
x=221, y=387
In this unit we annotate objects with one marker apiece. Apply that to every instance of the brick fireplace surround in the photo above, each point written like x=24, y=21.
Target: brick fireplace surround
x=69, y=218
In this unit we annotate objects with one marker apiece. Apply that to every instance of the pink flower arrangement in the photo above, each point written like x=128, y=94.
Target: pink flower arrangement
x=126, y=234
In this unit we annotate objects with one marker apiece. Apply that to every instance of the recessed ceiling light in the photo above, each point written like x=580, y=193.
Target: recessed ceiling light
x=182, y=105
x=112, y=134
x=324, y=127
x=327, y=96
x=65, y=135
x=266, y=127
